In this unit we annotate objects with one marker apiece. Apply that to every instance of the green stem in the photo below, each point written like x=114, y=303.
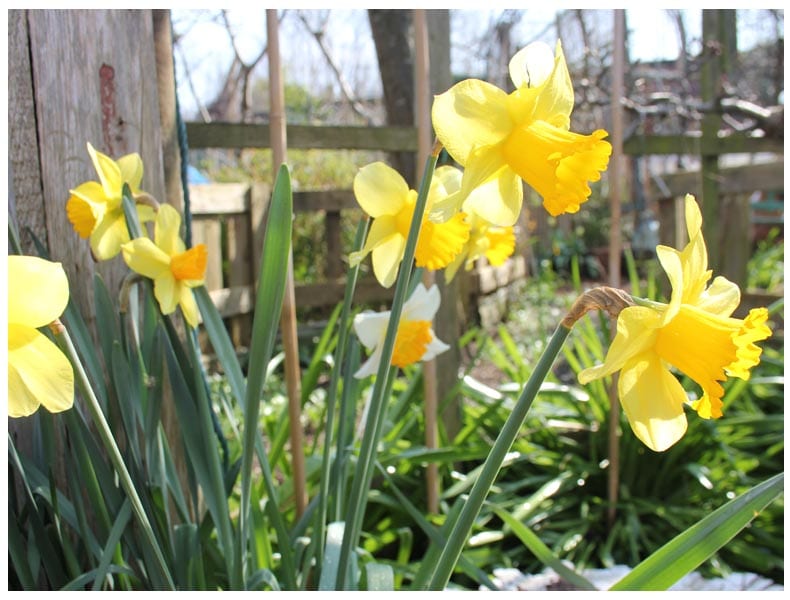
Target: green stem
x=463, y=526
x=370, y=439
x=65, y=343
x=344, y=331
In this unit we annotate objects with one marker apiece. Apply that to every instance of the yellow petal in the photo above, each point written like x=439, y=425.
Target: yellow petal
x=636, y=334
x=144, y=257
x=380, y=190
x=694, y=256
x=38, y=373
x=109, y=173
x=38, y=291
x=531, y=66
x=167, y=230
x=380, y=232
x=386, y=259
x=145, y=213
x=109, y=234
x=167, y=292
x=491, y=189
x=189, y=306
x=469, y=115
x=439, y=243
x=131, y=167
x=555, y=99
x=444, y=197
x=653, y=401
x=721, y=298
x=558, y=164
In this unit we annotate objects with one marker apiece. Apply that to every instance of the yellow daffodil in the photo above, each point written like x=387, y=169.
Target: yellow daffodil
x=38, y=372
x=384, y=195
x=501, y=138
x=415, y=339
x=497, y=244
x=94, y=207
x=694, y=333
x=174, y=269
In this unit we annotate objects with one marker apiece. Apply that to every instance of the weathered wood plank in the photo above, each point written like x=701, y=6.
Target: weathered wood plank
x=329, y=200
x=94, y=78
x=26, y=202
x=219, y=198
x=334, y=247
x=735, y=180
x=326, y=137
x=239, y=245
x=208, y=232
x=694, y=144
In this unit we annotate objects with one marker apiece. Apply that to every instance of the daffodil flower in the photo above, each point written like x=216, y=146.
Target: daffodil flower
x=497, y=244
x=95, y=207
x=415, y=339
x=38, y=372
x=384, y=195
x=502, y=138
x=694, y=333
x=174, y=269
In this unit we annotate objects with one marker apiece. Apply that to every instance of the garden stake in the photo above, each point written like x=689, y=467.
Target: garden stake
x=288, y=316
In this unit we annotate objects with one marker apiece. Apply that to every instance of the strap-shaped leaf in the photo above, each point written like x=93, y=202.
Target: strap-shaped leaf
x=691, y=548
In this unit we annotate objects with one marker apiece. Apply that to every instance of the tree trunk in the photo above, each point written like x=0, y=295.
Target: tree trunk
x=392, y=35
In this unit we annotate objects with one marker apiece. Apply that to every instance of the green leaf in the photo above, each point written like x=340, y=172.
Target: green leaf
x=379, y=577
x=123, y=518
x=691, y=548
x=334, y=539
x=541, y=551
x=268, y=306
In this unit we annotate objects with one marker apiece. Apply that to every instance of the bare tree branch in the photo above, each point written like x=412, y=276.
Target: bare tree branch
x=345, y=88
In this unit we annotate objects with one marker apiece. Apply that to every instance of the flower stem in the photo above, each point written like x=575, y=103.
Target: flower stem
x=463, y=526
x=65, y=343
x=370, y=439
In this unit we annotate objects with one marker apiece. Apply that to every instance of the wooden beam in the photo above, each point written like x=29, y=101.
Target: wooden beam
x=324, y=137
x=693, y=144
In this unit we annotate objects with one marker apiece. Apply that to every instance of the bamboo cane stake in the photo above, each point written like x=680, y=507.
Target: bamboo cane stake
x=288, y=317
x=615, y=241
x=424, y=145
